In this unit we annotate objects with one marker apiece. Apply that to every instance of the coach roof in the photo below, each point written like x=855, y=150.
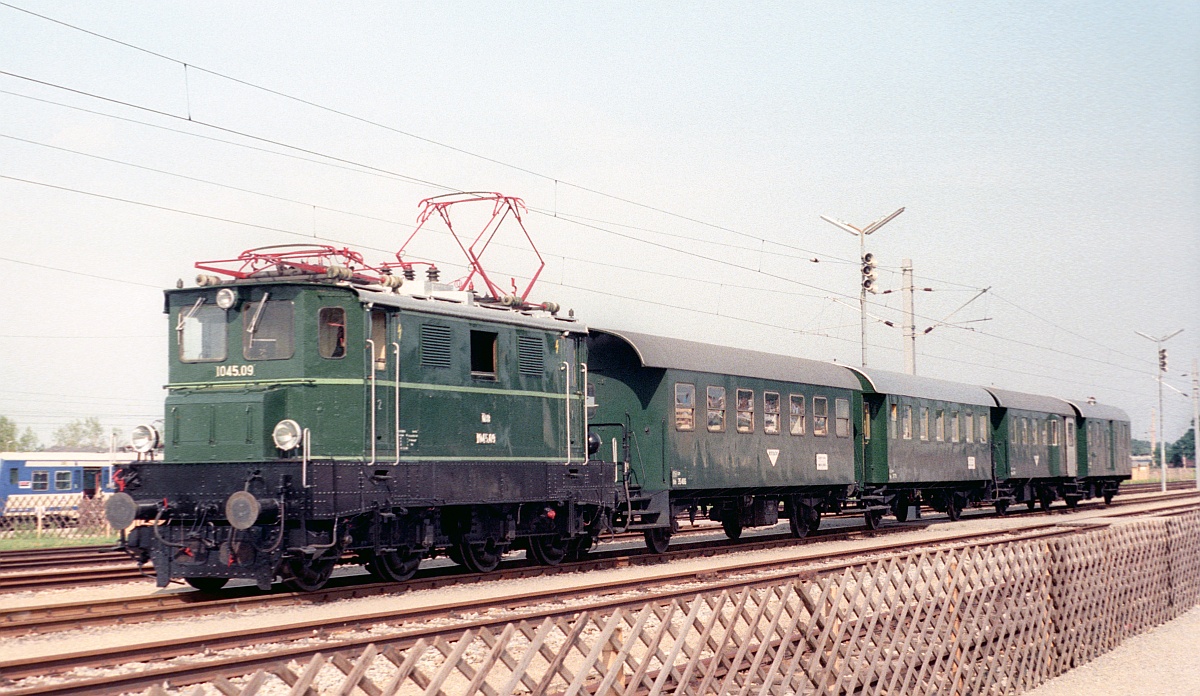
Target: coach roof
x=678, y=354
x=1100, y=411
x=1030, y=402
x=895, y=383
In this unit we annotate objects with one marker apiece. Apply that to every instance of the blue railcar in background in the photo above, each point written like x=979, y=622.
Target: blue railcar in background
x=52, y=484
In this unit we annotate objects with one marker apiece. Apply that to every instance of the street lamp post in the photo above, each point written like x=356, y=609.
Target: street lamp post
x=1162, y=367
x=868, y=266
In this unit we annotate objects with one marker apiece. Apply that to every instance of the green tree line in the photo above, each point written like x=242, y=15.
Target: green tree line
x=82, y=434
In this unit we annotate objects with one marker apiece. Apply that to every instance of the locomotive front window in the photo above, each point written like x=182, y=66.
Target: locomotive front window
x=201, y=333
x=41, y=480
x=771, y=413
x=745, y=410
x=269, y=330
x=331, y=332
x=685, y=406
x=820, y=416
x=796, y=414
x=841, y=425
x=62, y=480
x=716, y=409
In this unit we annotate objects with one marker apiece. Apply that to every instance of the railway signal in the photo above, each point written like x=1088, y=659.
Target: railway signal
x=1162, y=367
x=868, y=272
x=1162, y=359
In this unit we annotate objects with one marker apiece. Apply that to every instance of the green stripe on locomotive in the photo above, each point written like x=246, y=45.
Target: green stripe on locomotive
x=637, y=382
x=474, y=384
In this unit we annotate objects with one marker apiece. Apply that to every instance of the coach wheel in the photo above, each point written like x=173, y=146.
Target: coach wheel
x=1001, y=507
x=1046, y=499
x=732, y=525
x=396, y=566
x=1071, y=500
x=873, y=518
x=308, y=575
x=207, y=584
x=480, y=556
x=900, y=508
x=803, y=519
x=549, y=550
x=658, y=539
x=1108, y=496
x=954, y=506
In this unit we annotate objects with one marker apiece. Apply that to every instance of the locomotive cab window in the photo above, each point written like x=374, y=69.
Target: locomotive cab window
x=201, y=333
x=796, y=414
x=771, y=413
x=331, y=332
x=379, y=339
x=269, y=329
x=745, y=410
x=483, y=354
x=685, y=406
x=716, y=409
x=820, y=416
x=841, y=413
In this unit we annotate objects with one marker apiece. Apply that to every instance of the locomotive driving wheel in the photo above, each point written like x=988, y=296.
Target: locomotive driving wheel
x=479, y=556
x=549, y=550
x=207, y=584
x=396, y=566
x=305, y=574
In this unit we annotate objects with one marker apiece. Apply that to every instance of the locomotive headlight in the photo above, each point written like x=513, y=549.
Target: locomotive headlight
x=226, y=297
x=287, y=434
x=144, y=438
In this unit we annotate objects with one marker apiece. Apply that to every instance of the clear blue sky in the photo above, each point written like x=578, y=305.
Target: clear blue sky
x=1047, y=151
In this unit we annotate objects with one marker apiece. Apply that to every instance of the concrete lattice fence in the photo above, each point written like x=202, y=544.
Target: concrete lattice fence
x=66, y=515
x=994, y=619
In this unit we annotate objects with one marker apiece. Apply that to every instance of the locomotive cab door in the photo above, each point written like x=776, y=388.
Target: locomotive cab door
x=1072, y=468
x=382, y=385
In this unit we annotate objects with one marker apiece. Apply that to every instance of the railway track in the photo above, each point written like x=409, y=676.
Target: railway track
x=496, y=610
x=78, y=566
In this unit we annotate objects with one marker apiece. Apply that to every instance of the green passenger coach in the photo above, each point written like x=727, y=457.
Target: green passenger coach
x=1034, y=444
x=721, y=430
x=924, y=441
x=1104, y=449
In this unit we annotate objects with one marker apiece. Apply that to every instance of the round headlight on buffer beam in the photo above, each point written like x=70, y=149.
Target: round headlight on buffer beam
x=144, y=438
x=226, y=298
x=287, y=434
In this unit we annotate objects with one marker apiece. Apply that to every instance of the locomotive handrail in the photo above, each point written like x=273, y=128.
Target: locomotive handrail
x=566, y=368
x=396, y=422
x=371, y=367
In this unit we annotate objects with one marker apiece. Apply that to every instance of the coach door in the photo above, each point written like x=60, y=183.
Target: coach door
x=1072, y=468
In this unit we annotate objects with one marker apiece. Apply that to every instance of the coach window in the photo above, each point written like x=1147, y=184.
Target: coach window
x=1024, y=431
x=41, y=480
x=924, y=425
x=62, y=480
x=771, y=413
x=716, y=409
x=796, y=414
x=907, y=430
x=893, y=416
x=820, y=416
x=331, y=332
x=970, y=429
x=12, y=477
x=269, y=329
x=983, y=427
x=745, y=410
x=1054, y=433
x=954, y=427
x=941, y=425
x=685, y=406
x=1045, y=432
x=841, y=415
x=201, y=333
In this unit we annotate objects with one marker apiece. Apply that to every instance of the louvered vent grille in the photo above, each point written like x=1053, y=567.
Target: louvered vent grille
x=435, y=345
x=531, y=356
